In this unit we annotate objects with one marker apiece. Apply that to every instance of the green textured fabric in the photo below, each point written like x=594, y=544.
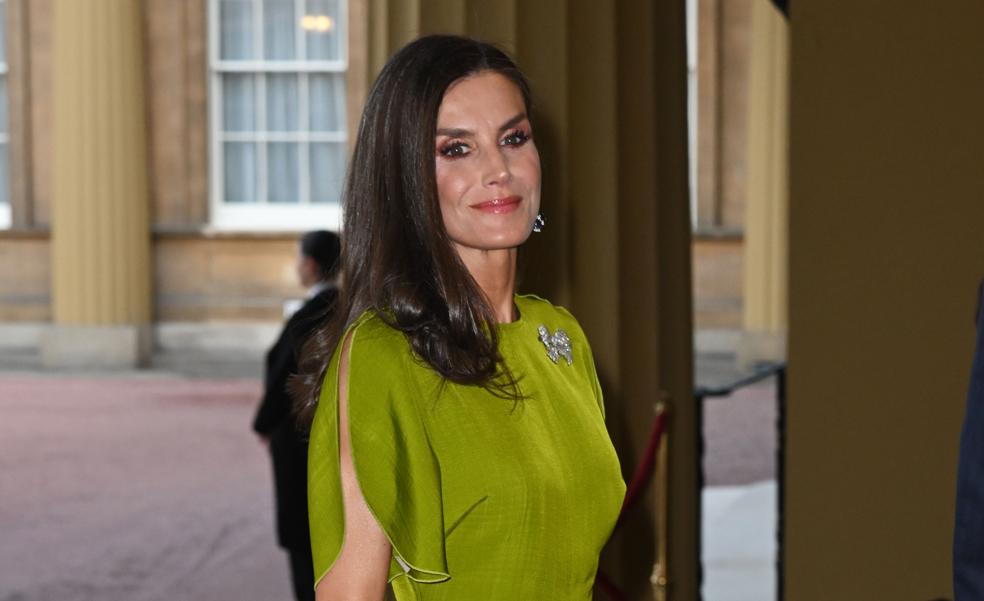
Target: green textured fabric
x=480, y=497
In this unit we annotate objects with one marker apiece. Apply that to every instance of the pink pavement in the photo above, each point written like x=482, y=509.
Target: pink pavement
x=134, y=487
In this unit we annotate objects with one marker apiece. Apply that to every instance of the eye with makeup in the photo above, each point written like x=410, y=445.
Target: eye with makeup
x=517, y=137
x=456, y=149
x=453, y=149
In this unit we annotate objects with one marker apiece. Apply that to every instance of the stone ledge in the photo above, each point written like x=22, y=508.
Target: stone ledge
x=96, y=346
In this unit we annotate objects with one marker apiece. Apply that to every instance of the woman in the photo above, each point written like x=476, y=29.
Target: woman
x=459, y=448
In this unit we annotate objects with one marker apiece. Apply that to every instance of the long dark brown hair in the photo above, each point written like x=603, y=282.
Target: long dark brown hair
x=397, y=259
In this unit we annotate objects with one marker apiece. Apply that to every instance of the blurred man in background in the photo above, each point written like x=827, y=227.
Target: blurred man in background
x=317, y=265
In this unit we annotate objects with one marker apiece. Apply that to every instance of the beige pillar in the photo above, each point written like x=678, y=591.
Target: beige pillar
x=100, y=233
x=766, y=254
x=885, y=253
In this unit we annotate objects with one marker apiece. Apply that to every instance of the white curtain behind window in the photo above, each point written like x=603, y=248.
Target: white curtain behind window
x=4, y=119
x=282, y=168
x=279, y=27
x=327, y=102
x=236, y=26
x=240, y=171
x=4, y=142
x=282, y=102
x=324, y=45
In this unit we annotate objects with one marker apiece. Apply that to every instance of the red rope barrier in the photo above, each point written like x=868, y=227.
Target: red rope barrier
x=644, y=473
x=640, y=481
x=609, y=589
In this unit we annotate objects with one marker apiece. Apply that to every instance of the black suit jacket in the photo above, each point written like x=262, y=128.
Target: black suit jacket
x=288, y=447
x=968, y=535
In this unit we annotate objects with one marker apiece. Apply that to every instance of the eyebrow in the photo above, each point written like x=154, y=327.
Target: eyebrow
x=457, y=132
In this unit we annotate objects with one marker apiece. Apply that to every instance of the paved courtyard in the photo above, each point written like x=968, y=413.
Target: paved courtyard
x=134, y=487
x=739, y=545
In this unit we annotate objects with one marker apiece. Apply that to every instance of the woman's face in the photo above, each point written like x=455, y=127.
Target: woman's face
x=488, y=169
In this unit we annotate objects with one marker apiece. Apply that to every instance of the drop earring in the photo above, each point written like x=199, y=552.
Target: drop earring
x=539, y=223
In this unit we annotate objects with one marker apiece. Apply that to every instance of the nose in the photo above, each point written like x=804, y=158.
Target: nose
x=495, y=168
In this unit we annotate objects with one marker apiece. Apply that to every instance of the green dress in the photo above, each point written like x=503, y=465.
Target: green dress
x=481, y=498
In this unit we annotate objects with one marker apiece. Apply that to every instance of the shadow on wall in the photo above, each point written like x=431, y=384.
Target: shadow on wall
x=542, y=259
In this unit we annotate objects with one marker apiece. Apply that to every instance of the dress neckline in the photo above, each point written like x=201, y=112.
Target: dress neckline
x=521, y=316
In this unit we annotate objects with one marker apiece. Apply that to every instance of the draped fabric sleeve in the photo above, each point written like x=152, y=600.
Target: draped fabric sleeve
x=395, y=466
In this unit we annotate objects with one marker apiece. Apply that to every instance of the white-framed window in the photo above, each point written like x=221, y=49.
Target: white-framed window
x=277, y=113
x=4, y=124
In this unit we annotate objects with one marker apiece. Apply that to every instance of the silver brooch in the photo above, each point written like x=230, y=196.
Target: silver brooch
x=558, y=345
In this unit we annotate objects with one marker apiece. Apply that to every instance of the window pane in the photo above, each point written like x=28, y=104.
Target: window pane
x=323, y=29
x=279, y=26
x=3, y=102
x=240, y=171
x=236, y=26
x=238, y=106
x=327, y=101
x=327, y=171
x=3, y=32
x=4, y=175
x=281, y=102
x=282, y=172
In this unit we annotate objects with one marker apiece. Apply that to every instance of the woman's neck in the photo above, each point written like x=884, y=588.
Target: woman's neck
x=495, y=273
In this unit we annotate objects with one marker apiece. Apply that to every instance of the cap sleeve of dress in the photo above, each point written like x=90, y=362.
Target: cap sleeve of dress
x=395, y=466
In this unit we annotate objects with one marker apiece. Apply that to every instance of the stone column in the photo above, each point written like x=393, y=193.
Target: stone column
x=764, y=317
x=885, y=255
x=100, y=234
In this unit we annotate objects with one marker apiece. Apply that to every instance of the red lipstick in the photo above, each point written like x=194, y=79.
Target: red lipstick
x=506, y=204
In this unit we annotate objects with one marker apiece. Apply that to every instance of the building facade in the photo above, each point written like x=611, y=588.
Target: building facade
x=243, y=127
